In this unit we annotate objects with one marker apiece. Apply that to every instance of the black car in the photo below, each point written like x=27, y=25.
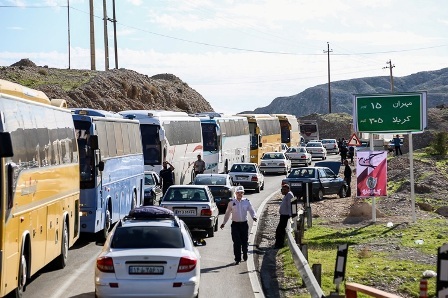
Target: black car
x=152, y=189
x=220, y=185
x=323, y=180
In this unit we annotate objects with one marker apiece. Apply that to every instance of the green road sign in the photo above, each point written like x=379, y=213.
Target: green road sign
x=383, y=113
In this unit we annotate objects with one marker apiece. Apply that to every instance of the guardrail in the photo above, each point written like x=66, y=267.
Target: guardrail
x=301, y=262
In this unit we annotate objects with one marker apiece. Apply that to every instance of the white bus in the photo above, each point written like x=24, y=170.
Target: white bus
x=309, y=130
x=226, y=140
x=169, y=136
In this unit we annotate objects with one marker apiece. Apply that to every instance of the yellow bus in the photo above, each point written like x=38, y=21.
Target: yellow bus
x=290, y=132
x=39, y=185
x=265, y=136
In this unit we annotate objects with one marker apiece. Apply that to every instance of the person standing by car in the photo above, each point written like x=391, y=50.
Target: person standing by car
x=199, y=166
x=348, y=177
x=238, y=208
x=344, y=151
x=397, y=145
x=285, y=214
x=351, y=153
x=166, y=174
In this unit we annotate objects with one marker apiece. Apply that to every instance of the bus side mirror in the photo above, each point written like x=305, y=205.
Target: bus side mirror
x=101, y=166
x=94, y=142
x=6, y=147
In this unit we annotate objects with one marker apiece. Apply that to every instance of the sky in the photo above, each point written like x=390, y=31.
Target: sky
x=238, y=54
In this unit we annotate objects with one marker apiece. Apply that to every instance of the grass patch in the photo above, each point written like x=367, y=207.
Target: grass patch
x=393, y=186
x=367, y=262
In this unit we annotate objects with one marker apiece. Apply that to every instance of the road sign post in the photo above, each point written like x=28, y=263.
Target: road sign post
x=442, y=271
x=392, y=113
x=341, y=261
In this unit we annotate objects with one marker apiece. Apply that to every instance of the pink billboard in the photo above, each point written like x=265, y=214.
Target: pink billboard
x=371, y=174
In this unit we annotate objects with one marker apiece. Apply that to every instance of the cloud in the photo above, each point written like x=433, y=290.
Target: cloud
x=135, y=2
x=15, y=28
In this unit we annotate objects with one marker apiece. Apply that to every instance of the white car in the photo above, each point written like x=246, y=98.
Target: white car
x=299, y=156
x=316, y=149
x=148, y=253
x=195, y=205
x=247, y=174
x=275, y=162
x=331, y=145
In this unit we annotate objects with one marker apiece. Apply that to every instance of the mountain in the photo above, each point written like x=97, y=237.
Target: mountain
x=113, y=90
x=315, y=99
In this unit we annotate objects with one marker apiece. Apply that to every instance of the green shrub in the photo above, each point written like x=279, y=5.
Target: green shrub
x=439, y=146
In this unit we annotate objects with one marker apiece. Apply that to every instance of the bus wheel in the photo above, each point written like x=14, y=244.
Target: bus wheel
x=107, y=224
x=23, y=268
x=61, y=261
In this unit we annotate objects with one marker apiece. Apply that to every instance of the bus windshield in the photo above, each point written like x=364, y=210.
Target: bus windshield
x=209, y=137
x=86, y=157
x=151, y=144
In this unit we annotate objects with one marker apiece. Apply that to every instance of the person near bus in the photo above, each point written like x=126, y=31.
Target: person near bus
x=199, y=166
x=166, y=174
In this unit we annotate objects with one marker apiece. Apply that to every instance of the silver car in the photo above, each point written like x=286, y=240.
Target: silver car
x=275, y=162
x=316, y=149
x=195, y=205
x=248, y=175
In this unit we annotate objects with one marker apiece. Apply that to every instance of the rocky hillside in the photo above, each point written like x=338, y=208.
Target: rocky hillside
x=315, y=99
x=113, y=90
x=339, y=125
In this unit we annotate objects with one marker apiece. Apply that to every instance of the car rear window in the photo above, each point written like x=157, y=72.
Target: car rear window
x=210, y=180
x=302, y=173
x=147, y=237
x=221, y=192
x=186, y=194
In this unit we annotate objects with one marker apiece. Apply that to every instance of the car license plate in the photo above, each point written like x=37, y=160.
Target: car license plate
x=185, y=211
x=146, y=270
x=242, y=177
x=296, y=184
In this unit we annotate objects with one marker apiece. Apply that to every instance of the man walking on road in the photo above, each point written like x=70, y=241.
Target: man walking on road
x=285, y=214
x=166, y=174
x=397, y=145
x=238, y=208
x=199, y=166
x=348, y=177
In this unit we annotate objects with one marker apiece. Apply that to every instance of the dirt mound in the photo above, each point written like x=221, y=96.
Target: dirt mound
x=113, y=90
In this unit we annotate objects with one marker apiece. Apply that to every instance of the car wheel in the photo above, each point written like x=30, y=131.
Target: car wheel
x=320, y=194
x=211, y=232
x=343, y=192
x=216, y=224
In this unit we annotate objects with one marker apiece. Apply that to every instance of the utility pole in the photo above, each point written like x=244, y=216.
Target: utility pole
x=68, y=31
x=391, y=76
x=329, y=90
x=92, y=37
x=114, y=21
x=106, y=43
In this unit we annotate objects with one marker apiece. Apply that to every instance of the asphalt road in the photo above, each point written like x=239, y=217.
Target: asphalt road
x=219, y=277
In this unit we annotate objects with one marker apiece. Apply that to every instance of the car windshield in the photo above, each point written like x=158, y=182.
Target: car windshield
x=221, y=192
x=302, y=173
x=210, y=180
x=149, y=179
x=186, y=195
x=147, y=237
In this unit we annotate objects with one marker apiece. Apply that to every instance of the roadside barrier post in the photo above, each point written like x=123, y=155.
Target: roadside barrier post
x=317, y=271
x=424, y=288
x=307, y=186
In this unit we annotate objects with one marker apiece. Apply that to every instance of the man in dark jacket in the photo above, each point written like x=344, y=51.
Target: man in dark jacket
x=348, y=177
x=344, y=151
